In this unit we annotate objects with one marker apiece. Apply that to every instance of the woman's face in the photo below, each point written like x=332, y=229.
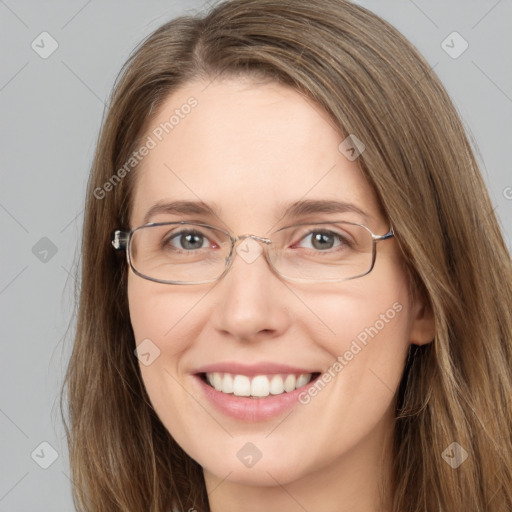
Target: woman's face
x=249, y=150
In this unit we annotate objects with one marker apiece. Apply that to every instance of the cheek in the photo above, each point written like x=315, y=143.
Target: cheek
x=366, y=332
x=159, y=313
x=163, y=330
x=354, y=315
x=367, y=342
x=164, y=323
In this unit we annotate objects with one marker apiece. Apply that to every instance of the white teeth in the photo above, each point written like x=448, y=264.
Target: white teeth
x=289, y=383
x=276, y=385
x=227, y=383
x=241, y=386
x=302, y=380
x=259, y=386
x=217, y=381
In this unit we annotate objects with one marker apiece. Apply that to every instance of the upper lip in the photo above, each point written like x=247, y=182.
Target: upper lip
x=252, y=370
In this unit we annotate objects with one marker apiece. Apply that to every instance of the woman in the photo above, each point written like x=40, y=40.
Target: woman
x=295, y=293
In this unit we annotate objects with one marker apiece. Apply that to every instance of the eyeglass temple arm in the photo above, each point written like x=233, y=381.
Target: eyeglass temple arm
x=389, y=234
x=120, y=239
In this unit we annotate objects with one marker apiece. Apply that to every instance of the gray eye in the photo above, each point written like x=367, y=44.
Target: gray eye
x=323, y=240
x=188, y=240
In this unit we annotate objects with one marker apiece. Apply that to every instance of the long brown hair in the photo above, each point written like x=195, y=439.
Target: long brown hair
x=374, y=84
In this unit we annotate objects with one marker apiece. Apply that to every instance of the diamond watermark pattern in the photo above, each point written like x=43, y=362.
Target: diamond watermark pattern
x=351, y=147
x=249, y=250
x=454, y=45
x=147, y=352
x=44, y=455
x=44, y=45
x=455, y=455
x=249, y=455
x=44, y=249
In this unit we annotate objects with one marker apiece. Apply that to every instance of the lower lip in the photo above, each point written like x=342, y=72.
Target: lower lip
x=251, y=409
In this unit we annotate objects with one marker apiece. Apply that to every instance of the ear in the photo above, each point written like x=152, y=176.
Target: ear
x=423, y=327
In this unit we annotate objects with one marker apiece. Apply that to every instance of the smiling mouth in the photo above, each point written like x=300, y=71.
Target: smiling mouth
x=259, y=386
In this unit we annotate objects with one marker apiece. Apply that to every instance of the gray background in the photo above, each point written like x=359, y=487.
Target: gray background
x=51, y=110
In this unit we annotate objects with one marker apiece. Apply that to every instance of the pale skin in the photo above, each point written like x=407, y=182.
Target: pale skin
x=249, y=149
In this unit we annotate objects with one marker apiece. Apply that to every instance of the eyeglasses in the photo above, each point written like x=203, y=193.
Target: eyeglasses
x=195, y=253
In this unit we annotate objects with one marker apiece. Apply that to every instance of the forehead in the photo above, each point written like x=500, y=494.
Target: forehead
x=248, y=149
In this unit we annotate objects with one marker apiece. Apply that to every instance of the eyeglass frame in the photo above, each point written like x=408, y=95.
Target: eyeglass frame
x=121, y=241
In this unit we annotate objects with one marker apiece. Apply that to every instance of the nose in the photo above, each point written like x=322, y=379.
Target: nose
x=252, y=300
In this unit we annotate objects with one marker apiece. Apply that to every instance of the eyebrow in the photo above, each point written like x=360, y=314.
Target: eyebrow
x=181, y=208
x=313, y=206
x=299, y=208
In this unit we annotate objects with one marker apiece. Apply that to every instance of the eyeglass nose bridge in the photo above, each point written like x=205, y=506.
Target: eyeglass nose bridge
x=236, y=240
x=255, y=237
